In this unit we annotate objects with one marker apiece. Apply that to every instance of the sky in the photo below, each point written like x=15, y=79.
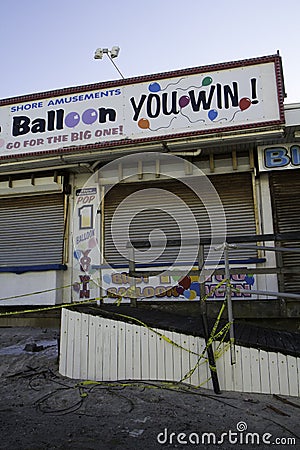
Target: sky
x=50, y=44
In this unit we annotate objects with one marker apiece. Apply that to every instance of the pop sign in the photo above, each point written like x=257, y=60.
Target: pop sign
x=189, y=102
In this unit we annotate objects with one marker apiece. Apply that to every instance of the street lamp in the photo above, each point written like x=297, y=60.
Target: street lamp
x=111, y=54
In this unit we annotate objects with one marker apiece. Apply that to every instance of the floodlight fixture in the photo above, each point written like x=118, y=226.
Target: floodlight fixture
x=111, y=54
x=98, y=53
x=114, y=52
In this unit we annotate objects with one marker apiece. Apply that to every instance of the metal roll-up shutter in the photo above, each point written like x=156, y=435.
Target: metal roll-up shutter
x=285, y=189
x=235, y=192
x=31, y=230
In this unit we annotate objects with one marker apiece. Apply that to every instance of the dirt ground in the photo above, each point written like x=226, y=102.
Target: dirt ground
x=40, y=409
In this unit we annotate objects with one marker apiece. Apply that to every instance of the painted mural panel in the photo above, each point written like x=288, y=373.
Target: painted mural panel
x=85, y=243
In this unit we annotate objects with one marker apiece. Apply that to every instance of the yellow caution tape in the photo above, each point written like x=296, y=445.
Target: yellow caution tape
x=201, y=358
x=47, y=308
x=34, y=293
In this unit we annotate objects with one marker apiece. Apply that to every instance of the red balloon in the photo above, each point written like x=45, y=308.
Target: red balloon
x=244, y=103
x=185, y=282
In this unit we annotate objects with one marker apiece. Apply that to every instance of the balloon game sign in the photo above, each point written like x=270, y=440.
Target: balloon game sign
x=167, y=287
x=190, y=102
x=85, y=240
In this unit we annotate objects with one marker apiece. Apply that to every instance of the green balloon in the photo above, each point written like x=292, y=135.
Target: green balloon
x=176, y=277
x=206, y=81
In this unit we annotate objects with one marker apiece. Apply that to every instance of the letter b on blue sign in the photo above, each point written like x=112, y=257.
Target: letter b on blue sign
x=276, y=157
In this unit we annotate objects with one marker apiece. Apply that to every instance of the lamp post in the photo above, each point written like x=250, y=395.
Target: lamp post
x=111, y=54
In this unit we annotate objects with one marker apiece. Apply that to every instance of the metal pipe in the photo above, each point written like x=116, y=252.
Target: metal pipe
x=132, y=280
x=187, y=153
x=270, y=293
x=265, y=247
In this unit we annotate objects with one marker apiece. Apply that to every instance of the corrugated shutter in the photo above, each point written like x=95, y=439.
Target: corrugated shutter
x=31, y=230
x=235, y=192
x=285, y=188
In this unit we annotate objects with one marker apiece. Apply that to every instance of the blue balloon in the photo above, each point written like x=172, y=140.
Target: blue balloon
x=187, y=293
x=106, y=278
x=250, y=280
x=77, y=254
x=212, y=114
x=195, y=286
x=154, y=87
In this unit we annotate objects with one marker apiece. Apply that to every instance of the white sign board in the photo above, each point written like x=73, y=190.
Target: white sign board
x=184, y=103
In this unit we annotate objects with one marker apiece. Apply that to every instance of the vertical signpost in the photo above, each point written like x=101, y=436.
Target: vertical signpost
x=210, y=353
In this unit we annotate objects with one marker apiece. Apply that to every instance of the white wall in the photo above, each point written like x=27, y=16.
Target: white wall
x=44, y=283
x=266, y=282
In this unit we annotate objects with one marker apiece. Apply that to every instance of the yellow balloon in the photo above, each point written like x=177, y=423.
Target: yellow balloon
x=193, y=295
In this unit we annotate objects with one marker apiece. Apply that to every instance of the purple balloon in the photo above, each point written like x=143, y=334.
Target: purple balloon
x=89, y=116
x=184, y=101
x=72, y=119
x=179, y=289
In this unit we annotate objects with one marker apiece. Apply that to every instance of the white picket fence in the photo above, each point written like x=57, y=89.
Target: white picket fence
x=100, y=349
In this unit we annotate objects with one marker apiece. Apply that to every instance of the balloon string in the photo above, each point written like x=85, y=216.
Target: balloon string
x=173, y=84
x=219, y=120
x=190, y=87
x=191, y=121
x=234, y=116
x=156, y=129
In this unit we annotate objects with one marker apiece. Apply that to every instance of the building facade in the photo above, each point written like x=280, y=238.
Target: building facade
x=147, y=169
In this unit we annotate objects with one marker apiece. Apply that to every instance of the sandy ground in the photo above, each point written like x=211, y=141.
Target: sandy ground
x=40, y=409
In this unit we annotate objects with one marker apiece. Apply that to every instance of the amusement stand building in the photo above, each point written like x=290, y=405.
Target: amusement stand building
x=90, y=174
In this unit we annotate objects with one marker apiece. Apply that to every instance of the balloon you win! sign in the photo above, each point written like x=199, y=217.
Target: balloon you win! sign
x=196, y=103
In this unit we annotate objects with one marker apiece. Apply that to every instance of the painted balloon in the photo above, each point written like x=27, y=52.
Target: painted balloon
x=106, y=278
x=190, y=295
x=76, y=287
x=195, y=286
x=244, y=103
x=249, y=279
x=144, y=124
x=193, y=295
x=154, y=87
x=179, y=290
x=187, y=293
x=176, y=278
x=185, y=282
x=206, y=81
x=184, y=101
x=89, y=116
x=72, y=119
x=77, y=254
x=92, y=242
x=212, y=114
